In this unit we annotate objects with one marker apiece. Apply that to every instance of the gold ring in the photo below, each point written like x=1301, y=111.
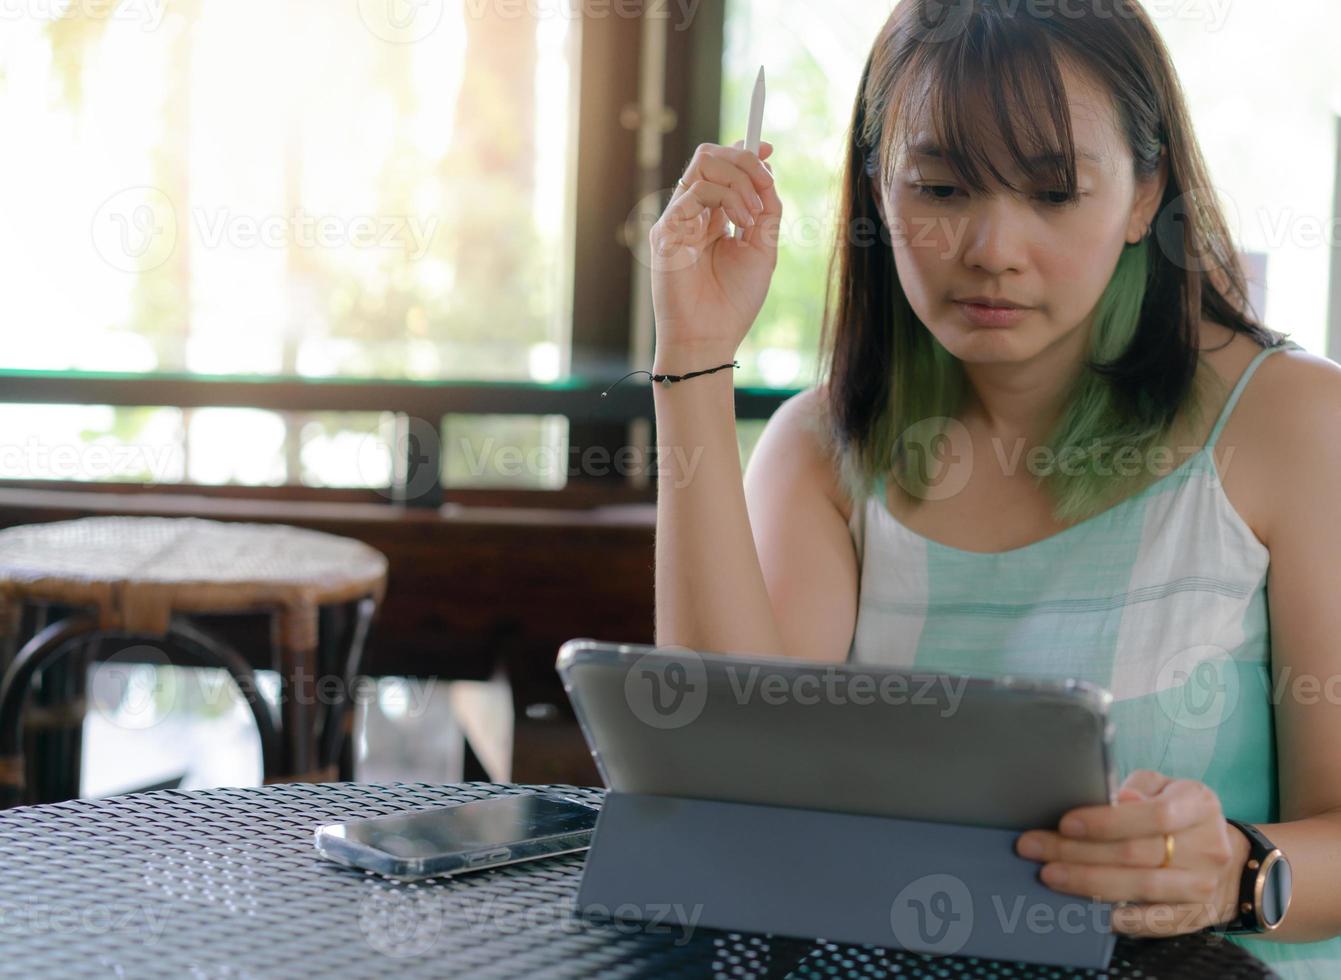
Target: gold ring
x=1168, y=850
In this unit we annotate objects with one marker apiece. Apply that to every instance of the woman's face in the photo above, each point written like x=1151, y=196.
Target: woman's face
x=1034, y=249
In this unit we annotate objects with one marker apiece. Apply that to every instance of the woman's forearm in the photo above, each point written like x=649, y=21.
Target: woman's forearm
x=710, y=591
x=1313, y=847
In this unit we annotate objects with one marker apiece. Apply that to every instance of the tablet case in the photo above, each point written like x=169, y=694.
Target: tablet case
x=926, y=887
x=1015, y=753
x=787, y=861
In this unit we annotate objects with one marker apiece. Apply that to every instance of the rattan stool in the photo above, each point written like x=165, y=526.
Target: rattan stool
x=144, y=577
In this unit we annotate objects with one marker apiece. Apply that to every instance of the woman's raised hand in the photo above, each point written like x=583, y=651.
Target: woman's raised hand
x=707, y=286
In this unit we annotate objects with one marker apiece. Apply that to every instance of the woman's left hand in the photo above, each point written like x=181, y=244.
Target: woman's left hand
x=1114, y=854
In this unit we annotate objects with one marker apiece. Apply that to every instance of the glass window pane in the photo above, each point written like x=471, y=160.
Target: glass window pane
x=516, y=451
x=289, y=187
x=347, y=449
x=238, y=445
x=91, y=443
x=812, y=56
x=1272, y=158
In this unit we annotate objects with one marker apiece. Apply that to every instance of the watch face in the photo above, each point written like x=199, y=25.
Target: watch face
x=1275, y=893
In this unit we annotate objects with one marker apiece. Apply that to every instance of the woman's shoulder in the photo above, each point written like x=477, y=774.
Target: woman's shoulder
x=803, y=424
x=1282, y=381
x=1287, y=414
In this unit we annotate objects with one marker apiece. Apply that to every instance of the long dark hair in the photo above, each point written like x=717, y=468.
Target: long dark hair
x=885, y=372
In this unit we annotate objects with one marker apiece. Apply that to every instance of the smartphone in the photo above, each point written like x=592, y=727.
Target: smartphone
x=452, y=840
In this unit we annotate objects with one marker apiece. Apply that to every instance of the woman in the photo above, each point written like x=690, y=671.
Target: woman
x=1037, y=327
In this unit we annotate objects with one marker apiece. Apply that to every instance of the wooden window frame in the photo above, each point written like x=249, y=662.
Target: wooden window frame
x=610, y=181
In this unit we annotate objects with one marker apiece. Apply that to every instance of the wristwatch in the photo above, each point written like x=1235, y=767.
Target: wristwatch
x=1264, y=889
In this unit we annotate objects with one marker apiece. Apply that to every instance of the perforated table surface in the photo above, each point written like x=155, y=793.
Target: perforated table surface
x=225, y=883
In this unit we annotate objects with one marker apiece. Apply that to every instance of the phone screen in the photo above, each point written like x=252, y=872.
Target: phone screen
x=469, y=826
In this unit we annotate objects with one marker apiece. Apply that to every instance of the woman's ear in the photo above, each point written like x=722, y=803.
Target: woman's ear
x=1149, y=194
x=872, y=168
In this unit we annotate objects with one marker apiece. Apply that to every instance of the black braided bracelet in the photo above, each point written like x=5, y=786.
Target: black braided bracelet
x=670, y=379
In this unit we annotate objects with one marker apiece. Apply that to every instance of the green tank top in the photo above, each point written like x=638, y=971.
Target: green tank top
x=1160, y=599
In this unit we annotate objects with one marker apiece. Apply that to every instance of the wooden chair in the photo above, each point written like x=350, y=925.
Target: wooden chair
x=143, y=579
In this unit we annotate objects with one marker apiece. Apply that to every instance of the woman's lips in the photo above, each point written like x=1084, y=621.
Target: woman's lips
x=993, y=316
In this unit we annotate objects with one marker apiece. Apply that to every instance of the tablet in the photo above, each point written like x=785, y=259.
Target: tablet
x=1008, y=752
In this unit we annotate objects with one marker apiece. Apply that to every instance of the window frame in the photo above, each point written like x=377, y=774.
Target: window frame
x=609, y=183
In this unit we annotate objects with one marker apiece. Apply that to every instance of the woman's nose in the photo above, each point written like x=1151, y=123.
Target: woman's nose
x=996, y=239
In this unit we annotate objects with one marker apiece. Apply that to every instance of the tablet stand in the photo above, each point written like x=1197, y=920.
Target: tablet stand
x=906, y=884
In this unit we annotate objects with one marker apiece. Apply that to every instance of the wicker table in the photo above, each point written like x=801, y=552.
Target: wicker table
x=225, y=883
x=143, y=578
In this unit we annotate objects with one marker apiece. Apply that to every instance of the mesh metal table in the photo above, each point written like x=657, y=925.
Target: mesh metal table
x=225, y=884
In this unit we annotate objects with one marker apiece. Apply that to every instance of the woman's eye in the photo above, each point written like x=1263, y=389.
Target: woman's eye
x=932, y=191
x=1059, y=198
x=945, y=192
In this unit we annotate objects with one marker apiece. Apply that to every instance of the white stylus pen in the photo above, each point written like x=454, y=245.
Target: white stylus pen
x=754, y=131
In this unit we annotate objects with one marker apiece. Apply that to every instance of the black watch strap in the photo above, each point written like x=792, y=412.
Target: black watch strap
x=1264, y=887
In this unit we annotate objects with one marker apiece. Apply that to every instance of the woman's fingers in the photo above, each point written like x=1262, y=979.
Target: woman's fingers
x=1147, y=782
x=1117, y=884
x=695, y=219
x=1147, y=852
x=730, y=165
x=749, y=163
x=1180, y=804
x=721, y=184
x=705, y=193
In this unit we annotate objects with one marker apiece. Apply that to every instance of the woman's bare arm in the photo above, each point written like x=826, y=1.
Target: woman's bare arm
x=760, y=564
